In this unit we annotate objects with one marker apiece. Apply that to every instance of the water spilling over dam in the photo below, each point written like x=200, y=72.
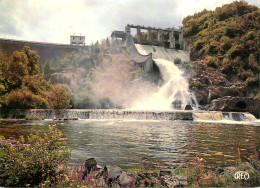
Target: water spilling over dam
x=126, y=114
x=172, y=94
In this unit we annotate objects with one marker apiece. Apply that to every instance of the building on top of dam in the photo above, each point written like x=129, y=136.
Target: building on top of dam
x=169, y=38
x=77, y=40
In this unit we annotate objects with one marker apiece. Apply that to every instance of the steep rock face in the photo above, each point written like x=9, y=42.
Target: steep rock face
x=236, y=104
x=215, y=92
x=208, y=83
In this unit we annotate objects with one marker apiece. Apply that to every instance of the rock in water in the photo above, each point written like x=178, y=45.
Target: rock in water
x=112, y=171
x=188, y=107
x=125, y=180
x=90, y=164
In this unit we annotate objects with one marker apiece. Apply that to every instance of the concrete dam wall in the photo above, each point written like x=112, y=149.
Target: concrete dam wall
x=46, y=51
x=187, y=115
x=159, y=52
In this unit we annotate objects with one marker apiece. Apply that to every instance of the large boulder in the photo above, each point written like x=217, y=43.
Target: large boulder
x=125, y=180
x=236, y=104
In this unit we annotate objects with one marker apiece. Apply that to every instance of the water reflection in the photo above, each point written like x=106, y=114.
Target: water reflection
x=158, y=143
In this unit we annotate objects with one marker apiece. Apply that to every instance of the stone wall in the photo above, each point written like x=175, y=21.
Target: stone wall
x=46, y=51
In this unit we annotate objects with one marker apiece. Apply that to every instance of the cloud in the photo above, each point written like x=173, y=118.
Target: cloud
x=56, y=20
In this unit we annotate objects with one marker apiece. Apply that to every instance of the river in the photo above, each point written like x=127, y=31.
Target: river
x=150, y=143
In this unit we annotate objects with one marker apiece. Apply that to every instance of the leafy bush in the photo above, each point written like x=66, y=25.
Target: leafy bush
x=24, y=99
x=106, y=103
x=32, y=160
x=59, y=97
x=85, y=101
x=195, y=172
x=34, y=117
x=177, y=61
x=22, y=85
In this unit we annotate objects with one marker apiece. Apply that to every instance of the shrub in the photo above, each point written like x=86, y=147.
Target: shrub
x=212, y=61
x=24, y=99
x=34, y=117
x=106, y=103
x=177, y=61
x=59, y=97
x=74, y=177
x=195, y=172
x=33, y=160
x=85, y=101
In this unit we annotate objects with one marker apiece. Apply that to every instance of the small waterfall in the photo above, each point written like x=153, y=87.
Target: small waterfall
x=107, y=114
x=174, y=92
x=223, y=116
x=74, y=114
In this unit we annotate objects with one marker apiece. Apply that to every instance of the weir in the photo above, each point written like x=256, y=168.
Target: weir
x=126, y=114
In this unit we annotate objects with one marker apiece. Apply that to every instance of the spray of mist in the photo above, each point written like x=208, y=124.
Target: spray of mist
x=123, y=84
x=120, y=79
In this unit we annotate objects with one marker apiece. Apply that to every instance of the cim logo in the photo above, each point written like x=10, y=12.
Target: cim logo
x=241, y=175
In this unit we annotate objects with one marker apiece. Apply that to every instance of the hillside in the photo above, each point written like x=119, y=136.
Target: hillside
x=224, y=45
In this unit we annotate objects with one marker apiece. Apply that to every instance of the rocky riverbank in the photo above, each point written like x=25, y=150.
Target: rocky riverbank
x=216, y=92
x=196, y=175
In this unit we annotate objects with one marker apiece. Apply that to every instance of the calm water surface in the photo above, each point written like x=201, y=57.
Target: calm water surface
x=156, y=143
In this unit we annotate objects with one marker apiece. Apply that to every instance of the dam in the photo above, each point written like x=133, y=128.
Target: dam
x=127, y=114
x=45, y=50
x=152, y=43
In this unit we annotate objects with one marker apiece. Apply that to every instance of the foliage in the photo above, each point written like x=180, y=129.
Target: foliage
x=25, y=87
x=33, y=160
x=177, y=61
x=74, y=178
x=196, y=171
x=34, y=117
x=24, y=99
x=84, y=70
x=22, y=84
x=227, y=39
x=58, y=97
x=3, y=60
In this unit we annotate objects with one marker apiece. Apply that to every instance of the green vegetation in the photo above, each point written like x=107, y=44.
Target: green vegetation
x=228, y=40
x=177, y=61
x=80, y=79
x=78, y=71
x=23, y=86
x=34, y=117
x=89, y=74
x=33, y=160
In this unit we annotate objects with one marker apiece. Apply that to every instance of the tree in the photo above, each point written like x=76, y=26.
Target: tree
x=22, y=85
x=58, y=97
x=3, y=60
x=47, y=71
x=24, y=99
x=16, y=70
x=33, y=60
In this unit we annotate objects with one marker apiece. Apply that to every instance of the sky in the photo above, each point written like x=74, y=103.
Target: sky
x=55, y=20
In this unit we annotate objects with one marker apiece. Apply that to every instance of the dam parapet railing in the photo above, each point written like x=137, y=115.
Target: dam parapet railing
x=127, y=114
